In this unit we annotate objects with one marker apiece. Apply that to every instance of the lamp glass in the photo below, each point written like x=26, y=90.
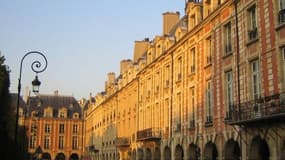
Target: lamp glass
x=36, y=85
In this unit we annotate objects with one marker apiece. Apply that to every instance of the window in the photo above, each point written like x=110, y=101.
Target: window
x=75, y=128
x=282, y=11
x=252, y=26
x=47, y=128
x=208, y=100
x=61, y=128
x=229, y=93
x=60, y=142
x=61, y=114
x=74, y=142
x=192, y=60
x=227, y=38
x=193, y=21
x=33, y=128
x=255, y=80
x=179, y=69
x=46, y=142
x=167, y=76
x=192, y=103
x=283, y=60
x=32, y=142
x=208, y=51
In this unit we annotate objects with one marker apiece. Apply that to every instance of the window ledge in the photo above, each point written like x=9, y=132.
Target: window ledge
x=280, y=26
x=227, y=54
x=209, y=124
x=252, y=41
x=207, y=65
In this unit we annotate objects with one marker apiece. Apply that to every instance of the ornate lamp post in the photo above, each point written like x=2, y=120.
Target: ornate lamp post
x=37, y=67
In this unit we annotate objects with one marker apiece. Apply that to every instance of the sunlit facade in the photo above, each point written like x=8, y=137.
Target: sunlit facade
x=210, y=87
x=54, y=127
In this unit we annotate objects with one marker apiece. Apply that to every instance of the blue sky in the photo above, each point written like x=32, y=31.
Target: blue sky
x=83, y=40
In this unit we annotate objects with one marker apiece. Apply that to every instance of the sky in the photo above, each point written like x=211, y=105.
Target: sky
x=83, y=40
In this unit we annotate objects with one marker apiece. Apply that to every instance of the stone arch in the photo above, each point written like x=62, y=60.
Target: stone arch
x=259, y=149
x=60, y=156
x=167, y=153
x=179, y=154
x=194, y=152
x=232, y=150
x=157, y=154
x=210, y=151
x=74, y=156
x=148, y=154
x=46, y=156
x=140, y=154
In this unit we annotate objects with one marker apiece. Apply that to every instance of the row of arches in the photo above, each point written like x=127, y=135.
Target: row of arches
x=59, y=156
x=258, y=150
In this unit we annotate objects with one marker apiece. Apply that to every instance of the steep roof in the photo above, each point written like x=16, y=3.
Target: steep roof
x=39, y=103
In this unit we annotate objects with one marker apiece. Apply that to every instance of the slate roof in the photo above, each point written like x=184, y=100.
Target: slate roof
x=22, y=103
x=39, y=103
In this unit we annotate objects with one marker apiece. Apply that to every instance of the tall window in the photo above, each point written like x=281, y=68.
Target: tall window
x=228, y=38
x=229, y=92
x=47, y=128
x=179, y=69
x=32, y=141
x=179, y=102
x=208, y=51
x=46, y=142
x=192, y=103
x=60, y=142
x=75, y=128
x=281, y=11
x=167, y=76
x=61, y=128
x=192, y=60
x=252, y=24
x=208, y=98
x=255, y=79
x=74, y=142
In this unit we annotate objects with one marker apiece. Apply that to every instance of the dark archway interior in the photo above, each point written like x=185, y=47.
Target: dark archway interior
x=46, y=156
x=167, y=153
x=74, y=156
x=148, y=154
x=60, y=156
x=259, y=149
x=194, y=152
x=232, y=150
x=157, y=154
x=179, y=153
x=210, y=151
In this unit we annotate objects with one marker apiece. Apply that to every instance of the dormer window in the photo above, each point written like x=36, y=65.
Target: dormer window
x=62, y=113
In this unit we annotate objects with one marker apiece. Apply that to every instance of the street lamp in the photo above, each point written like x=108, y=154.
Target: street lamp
x=37, y=67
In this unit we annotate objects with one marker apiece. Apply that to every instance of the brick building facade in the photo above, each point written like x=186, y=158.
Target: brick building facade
x=210, y=87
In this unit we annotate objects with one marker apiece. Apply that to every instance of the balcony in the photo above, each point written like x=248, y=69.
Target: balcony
x=281, y=16
x=195, y=1
x=209, y=121
x=149, y=134
x=123, y=142
x=92, y=148
x=270, y=109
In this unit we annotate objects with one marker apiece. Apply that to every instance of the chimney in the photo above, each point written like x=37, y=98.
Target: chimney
x=55, y=92
x=140, y=48
x=125, y=66
x=169, y=20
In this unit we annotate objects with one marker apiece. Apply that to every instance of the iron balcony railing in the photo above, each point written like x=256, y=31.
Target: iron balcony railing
x=149, y=134
x=123, y=142
x=269, y=108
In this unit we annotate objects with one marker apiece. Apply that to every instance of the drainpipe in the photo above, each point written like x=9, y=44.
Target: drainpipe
x=238, y=71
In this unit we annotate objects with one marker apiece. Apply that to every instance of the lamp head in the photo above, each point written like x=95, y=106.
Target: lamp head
x=36, y=85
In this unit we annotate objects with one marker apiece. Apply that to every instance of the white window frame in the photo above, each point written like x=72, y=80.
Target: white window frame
x=229, y=90
x=255, y=79
x=228, y=38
